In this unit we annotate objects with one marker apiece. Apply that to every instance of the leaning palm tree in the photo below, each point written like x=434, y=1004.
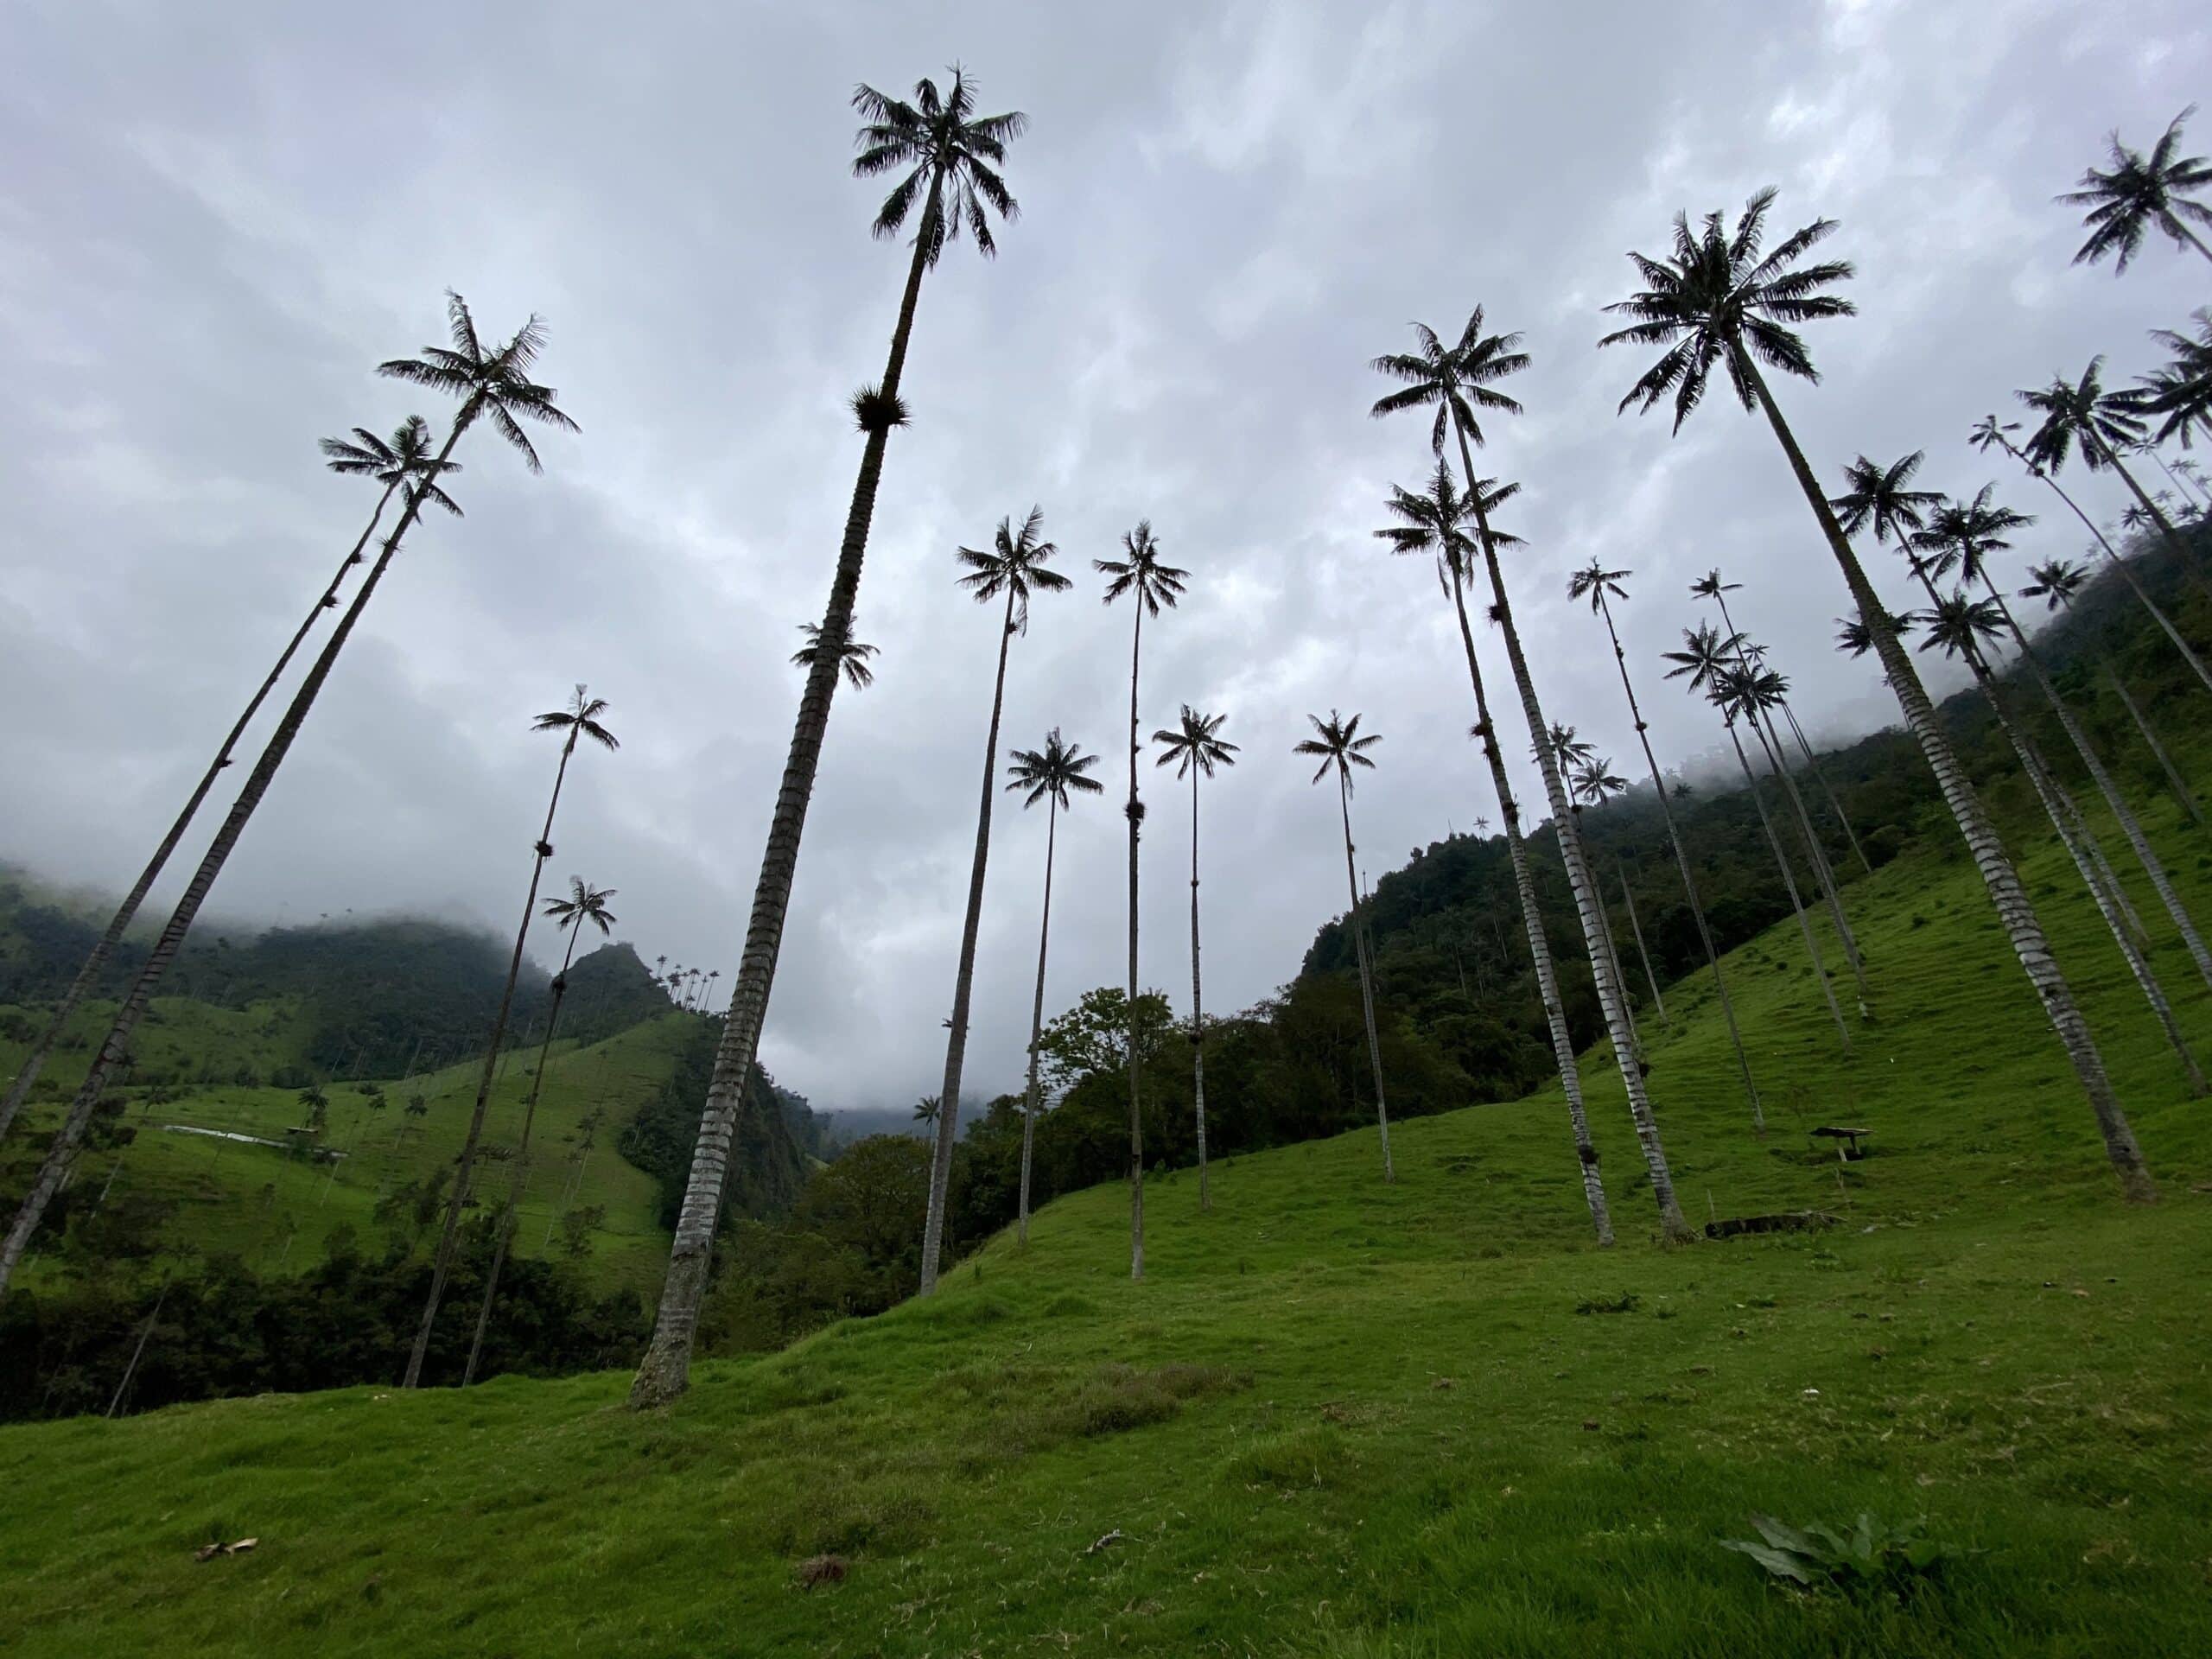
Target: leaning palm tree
x=2181, y=389
x=1340, y=746
x=1017, y=565
x=1961, y=536
x=1960, y=626
x=1719, y=300
x=1594, y=783
x=853, y=657
x=1196, y=748
x=1455, y=380
x=2141, y=193
x=1047, y=775
x=1992, y=433
x=494, y=385
x=2103, y=422
x=584, y=904
x=1439, y=523
x=949, y=154
x=2058, y=582
x=1714, y=666
x=1150, y=584
x=1601, y=587
x=580, y=718
x=405, y=459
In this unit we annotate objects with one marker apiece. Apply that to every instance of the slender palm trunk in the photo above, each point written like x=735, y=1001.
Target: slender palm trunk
x=20, y=1087
x=522, y=1160
x=2129, y=826
x=1813, y=765
x=1789, y=885
x=2158, y=517
x=1029, y=1101
x=442, y=1263
x=1682, y=864
x=1366, y=978
x=2014, y=911
x=1613, y=948
x=1540, y=949
x=666, y=1371
x=2172, y=477
x=110, y=1057
x=1588, y=904
x=2174, y=780
x=1134, y=813
x=956, y=1046
x=137, y=1352
x=1643, y=951
x=1198, y=1007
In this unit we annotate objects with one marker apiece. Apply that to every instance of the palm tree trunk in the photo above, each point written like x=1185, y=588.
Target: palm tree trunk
x=1644, y=953
x=19, y=1088
x=1540, y=949
x=1134, y=813
x=442, y=1263
x=2166, y=528
x=111, y=1055
x=1790, y=884
x=1682, y=864
x=666, y=1371
x=1813, y=765
x=1037, y=1017
x=2014, y=911
x=1198, y=1006
x=2129, y=826
x=522, y=1160
x=1613, y=951
x=1588, y=906
x=1366, y=978
x=956, y=1046
x=2172, y=478
x=2174, y=780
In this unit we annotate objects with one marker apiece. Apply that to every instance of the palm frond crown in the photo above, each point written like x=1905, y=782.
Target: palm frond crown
x=938, y=135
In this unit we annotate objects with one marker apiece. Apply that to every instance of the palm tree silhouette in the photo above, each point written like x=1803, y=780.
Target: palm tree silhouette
x=1457, y=380
x=2139, y=193
x=1151, y=584
x=580, y=719
x=1338, y=742
x=1601, y=588
x=852, y=657
x=1047, y=775
x=950, y=155
x=2103, y=424
x=928, y=1110
x=2058, y=582
x=1196, y=748
x=584, y=904
x=1016, y=566
x=2181, y=390
x=1594, y=783
x=1719, y=300
x=1437, y=523
x=405, y=461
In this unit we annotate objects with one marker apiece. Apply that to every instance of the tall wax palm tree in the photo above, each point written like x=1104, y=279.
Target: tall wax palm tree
x=494, y=385
x=2148, y=447
x=927, y=1110
x=1150, y=585
x=1457, y=380
x=584, y=904
x=853, y=657
x=1439, y=523
x=1595, y=783
x=1047, y=775
x=1992, y=433
x=1721, y=300
x=2102, y=422
x=949, y=156
x=1960, y=625
x=580, y=718
x=1714, y=666
x=1601, y=587
x=405, y=459
x=1962, y=535
x=1338, y=742
x=2139, y=193
x=2058, y=582
x=1196, y=748
x=1016, y=566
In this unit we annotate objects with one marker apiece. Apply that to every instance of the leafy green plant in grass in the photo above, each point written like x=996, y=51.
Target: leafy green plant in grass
x=1874, y=1558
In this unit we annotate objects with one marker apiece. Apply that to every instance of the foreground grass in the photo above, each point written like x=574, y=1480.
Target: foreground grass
x=1339, y=1419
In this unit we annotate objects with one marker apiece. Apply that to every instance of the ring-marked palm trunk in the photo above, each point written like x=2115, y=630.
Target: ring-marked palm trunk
x=111, y=1055
x=1029, y=1098
x=665, y=1370
x=956, y=1046
x=27, y=1074
x=2014, y=911
x=1133, y=810
x=1197, y=1008
x=1643, y=951
x=1366, y=980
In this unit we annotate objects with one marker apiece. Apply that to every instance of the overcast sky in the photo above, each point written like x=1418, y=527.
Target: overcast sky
x=215, y=222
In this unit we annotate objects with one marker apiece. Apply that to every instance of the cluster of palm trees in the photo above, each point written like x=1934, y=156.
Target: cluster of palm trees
x=692, y=989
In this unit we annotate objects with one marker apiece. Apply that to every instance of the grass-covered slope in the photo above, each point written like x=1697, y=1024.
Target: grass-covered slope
x=1339, y=1418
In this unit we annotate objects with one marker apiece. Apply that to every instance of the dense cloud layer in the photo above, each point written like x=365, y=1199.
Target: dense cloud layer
x=211, y=231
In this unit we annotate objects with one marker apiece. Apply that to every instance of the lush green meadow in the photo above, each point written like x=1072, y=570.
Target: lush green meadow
x=1339, y=1418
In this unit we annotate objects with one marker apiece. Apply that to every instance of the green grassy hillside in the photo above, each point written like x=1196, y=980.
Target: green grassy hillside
x=1338, y=1419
